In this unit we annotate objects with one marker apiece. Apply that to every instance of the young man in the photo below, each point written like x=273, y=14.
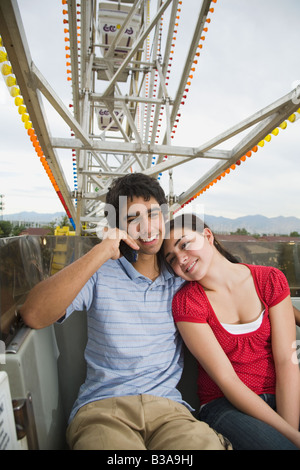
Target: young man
x=129, y=399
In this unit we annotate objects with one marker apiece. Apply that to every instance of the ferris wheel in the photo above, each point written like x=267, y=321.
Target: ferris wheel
x=124, y=114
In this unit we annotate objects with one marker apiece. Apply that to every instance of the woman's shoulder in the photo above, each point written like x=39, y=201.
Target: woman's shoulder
x=271, y=282
x=188, y=289
x=265, y=273
x=190, y=302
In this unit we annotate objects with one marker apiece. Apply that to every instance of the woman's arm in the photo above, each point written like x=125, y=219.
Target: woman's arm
x=203, y=344
x=287, y=372
x=48, y=300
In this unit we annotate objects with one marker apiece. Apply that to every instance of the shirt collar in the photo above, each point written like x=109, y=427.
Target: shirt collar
x=134, y=274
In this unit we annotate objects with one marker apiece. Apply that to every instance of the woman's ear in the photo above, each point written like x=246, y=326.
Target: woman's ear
x=209, y=235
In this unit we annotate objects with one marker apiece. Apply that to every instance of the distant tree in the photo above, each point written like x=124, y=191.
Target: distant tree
x=64, y=222
x=17, y=229
x=5, y=228
x=294, y=234
x=240, y=231
x=51, y=227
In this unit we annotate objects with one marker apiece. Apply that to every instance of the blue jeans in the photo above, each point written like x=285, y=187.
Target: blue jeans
x=243, y=431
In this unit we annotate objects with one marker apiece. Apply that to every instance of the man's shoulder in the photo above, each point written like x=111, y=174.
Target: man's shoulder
x=111, y=268
x=177, y=283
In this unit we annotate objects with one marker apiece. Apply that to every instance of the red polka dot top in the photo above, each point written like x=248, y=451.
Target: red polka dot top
x=250, y=353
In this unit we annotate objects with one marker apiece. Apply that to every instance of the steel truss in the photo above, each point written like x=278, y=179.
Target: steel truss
x=127, y=83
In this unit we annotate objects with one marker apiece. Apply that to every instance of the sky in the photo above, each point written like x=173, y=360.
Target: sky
x=250, y=58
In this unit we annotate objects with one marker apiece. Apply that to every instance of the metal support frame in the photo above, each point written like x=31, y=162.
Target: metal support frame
x=103, y=155
x=11, y=30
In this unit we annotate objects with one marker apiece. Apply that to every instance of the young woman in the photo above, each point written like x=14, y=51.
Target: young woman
x=238, y=321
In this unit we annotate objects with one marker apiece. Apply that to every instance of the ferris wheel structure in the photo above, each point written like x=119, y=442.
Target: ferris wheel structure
x=124, y=115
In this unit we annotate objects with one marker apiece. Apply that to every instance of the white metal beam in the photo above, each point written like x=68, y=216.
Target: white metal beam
x=103, y=156
x=15, y=42
x=136, y=46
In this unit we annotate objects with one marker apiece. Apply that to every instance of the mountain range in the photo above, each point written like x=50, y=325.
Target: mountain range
x=254, y=224
x=33, y=217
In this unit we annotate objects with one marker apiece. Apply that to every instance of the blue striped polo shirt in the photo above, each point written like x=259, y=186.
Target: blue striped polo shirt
x=133, y=345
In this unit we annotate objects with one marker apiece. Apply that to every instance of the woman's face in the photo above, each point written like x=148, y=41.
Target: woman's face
x=189, y=253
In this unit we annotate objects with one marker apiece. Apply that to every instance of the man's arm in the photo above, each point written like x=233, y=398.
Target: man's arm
x=48, y=300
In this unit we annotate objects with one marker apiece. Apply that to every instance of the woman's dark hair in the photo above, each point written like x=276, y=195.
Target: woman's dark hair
x=130, y=186
x=194, y=223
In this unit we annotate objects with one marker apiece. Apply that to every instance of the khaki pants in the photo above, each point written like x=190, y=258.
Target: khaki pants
x=139, y=423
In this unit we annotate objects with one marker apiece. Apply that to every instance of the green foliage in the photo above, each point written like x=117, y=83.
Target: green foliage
x=17, y=229
x=240, y=231
x=65, y=222
x=5, y=228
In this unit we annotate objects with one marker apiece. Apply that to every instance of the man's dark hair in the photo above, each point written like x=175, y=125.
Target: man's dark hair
x=132, y=185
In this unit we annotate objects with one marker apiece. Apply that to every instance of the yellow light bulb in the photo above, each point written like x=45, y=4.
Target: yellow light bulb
x=25, y=117
x=3, y=56
x=18, y=101
x=6, y=69
x=22, y=109
x=14, y=91
x=11, y=81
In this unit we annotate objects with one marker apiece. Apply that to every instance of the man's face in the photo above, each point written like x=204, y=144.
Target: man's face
x=143, y=220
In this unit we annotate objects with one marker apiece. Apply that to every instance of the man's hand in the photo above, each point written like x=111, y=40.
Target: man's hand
x=112, y=238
